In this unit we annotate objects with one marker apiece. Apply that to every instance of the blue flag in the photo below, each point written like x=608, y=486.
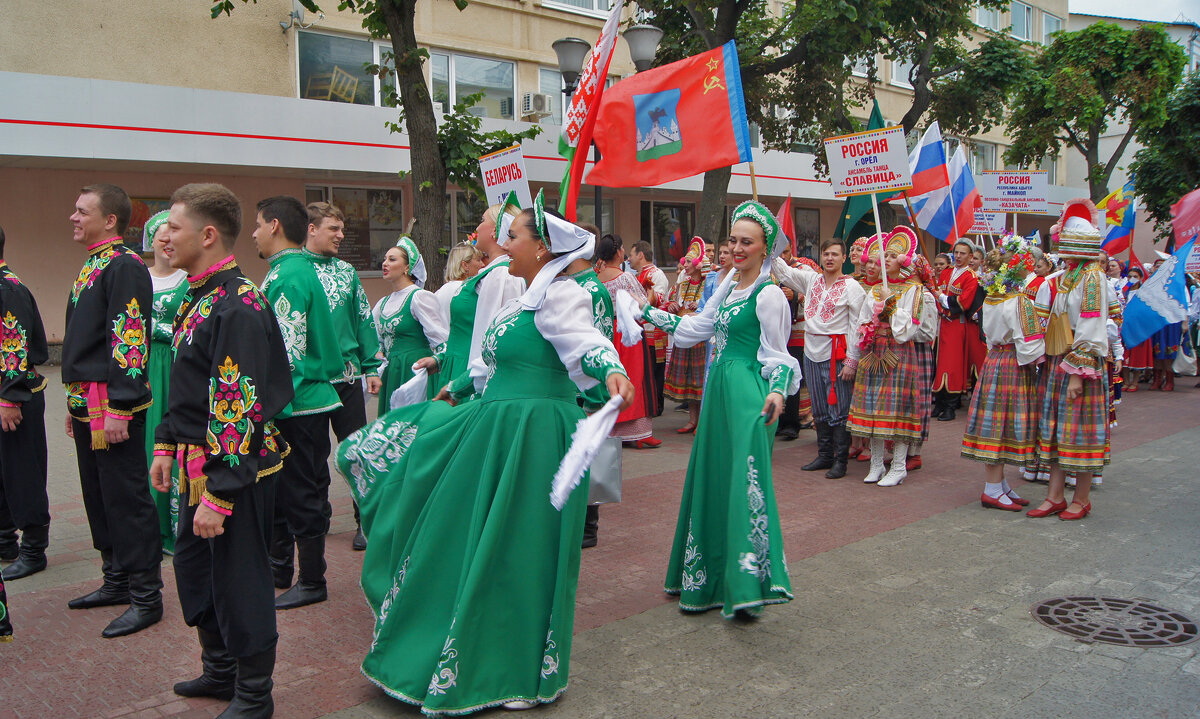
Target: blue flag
x=1161, y=300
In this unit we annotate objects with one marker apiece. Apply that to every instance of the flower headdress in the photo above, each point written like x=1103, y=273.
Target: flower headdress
x=1010, y=277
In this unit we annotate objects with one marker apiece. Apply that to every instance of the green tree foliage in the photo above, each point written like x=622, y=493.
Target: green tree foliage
x=1168, y=165
x=449, y=153
x=1083, y=82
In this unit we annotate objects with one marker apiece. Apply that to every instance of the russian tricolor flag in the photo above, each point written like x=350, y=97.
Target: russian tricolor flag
x=927, y=163
x=948, y=212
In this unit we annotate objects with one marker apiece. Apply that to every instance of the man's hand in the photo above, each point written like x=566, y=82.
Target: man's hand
x=207, y=523
x=10, y=417
x=1075, y=387
x=772, y=408
x=115, y=430
x=619, y=384
x=161, y=470
x=847, y=373
x=373, y=385
x=70, y=427
x=1118, y=366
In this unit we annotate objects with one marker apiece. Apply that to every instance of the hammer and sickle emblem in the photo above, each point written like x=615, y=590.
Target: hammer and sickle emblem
x=712, y=82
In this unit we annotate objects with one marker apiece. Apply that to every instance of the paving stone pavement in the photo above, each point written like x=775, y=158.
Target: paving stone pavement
x=910, y=602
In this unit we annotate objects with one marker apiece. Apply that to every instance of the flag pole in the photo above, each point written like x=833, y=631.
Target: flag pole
x=921, y=233
x=753, y=182
x=879, y=233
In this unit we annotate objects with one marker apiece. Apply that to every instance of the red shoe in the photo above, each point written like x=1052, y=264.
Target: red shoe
x=992, y=503
x=911, y=463
x=649, y=442
x=855, y=451
x=864, y=456
x=688, y=428
x=1083, y=512
x=1168, y=384
x=1055, y=508
x=1132, y=387
x=1018, y=500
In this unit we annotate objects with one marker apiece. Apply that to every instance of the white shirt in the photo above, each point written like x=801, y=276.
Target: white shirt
x=1002, y=326
x=425, y=308
x=828, y=309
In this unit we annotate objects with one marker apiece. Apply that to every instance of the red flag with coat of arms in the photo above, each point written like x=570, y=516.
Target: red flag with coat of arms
x=673, y=122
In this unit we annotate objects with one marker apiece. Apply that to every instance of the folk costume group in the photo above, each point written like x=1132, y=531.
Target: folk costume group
x=471, y=560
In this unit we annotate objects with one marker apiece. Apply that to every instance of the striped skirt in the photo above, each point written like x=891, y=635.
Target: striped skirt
x=888, y=401
x=926, y=361
x=1002, y=421
x=1073, y=433
x=685, y=373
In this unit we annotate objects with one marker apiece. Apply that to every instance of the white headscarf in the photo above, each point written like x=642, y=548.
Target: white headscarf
x=416, y=263
x=566, y=240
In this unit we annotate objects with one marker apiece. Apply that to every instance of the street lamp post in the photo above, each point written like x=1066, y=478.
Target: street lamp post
x=571, y=51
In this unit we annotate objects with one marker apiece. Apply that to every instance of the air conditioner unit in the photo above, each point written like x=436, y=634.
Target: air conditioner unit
x=537, y=104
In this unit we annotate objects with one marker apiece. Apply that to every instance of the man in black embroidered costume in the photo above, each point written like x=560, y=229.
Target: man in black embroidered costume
x=104, y=368
x=23, y=501
x=229, y=379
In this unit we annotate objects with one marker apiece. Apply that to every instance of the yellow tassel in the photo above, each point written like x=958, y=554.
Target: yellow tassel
x=98, y=440
x=196, y=490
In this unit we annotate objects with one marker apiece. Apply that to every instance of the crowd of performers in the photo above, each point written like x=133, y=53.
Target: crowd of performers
x=220, y=395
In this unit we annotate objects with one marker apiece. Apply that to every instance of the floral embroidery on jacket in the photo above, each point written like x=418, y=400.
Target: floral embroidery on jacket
x=233, y=411
x=129, y=339
x=91, y=270
x=13, y=344
x=193, y=318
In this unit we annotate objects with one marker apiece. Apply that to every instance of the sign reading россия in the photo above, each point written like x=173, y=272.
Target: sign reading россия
x=1015, y=192
x=868, y=162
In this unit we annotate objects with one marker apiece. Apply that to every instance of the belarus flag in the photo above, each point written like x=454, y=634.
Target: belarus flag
x=673, y=122
x=949, y=211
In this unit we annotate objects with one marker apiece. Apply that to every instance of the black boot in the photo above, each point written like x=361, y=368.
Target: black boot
x=947, y=414
x=310, y=587
x=841, y=451
x=282, y=549
x=359, y=543
x=9, y=549
x=220, y=670
x=591, y=525
x=115, y=589
x=824, y=458
x=32, y=559
x=252, y=692
x=145, y=605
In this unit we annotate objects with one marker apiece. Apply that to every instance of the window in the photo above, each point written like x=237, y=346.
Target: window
x=807, y=224
x=1050, y=166
x=669, y=228
x=987, y=17
x=1050, y=25
x=983, y=157
x=1022, y=21
x=469, y=211
x=901, y=72
x=454, y=77
x=551, y=83
x=858, y=66
x=589, y=6
x=332, y=67
x=374, y=220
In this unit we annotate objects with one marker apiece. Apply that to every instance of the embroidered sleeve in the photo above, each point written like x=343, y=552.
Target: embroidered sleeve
x=1093, y=294
x=660, y=318
x=14, y=356
x=368, y=334
x=1027, y=317
x=461, y=387
x=780, y=379
x=129, y=296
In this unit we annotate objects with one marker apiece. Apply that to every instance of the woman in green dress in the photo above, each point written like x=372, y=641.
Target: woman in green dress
x=470, y=571
x=170, y=287
x=409, y=321
x=728, y=549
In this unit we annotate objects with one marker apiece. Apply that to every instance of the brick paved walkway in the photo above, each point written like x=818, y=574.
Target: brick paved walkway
x=60, y=667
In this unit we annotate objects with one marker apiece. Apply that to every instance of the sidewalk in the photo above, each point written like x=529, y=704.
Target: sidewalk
x=911, y=601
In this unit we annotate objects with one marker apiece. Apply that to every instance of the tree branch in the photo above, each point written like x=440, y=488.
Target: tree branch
x=700, y=24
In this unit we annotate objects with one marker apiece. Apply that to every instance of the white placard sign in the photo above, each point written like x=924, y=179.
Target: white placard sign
x=868, y=162
x=988, y=223
x=1015, y=192
x=1193, y=261
x=503, y=172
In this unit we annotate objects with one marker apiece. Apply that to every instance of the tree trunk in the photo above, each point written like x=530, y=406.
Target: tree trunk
x=710, y=218
x=428, y=171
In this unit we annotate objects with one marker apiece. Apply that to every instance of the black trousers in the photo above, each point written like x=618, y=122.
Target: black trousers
x=302, y=493
x=116, y=496
x=23, y=500
x=352, y=415
x=224, y=583
x=790, y=418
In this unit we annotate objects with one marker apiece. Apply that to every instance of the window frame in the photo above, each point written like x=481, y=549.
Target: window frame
x=377, y=49
x=450, y=75
x=1046, y=35
x=589, y=12
x=1012, y=26
x=993, y=13
x=898, y=79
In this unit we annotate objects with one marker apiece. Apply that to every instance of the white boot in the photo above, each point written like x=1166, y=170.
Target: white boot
x=876, y=473
x=897, y=473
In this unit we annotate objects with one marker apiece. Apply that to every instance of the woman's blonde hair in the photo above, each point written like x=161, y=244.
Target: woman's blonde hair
x=493, y=213
x=459, y=254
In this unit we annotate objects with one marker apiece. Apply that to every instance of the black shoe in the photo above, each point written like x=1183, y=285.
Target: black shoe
x=825, y=445
x=252, y=690
x=32, y=556
x=841, y=451
x=787, y=435
x=134, y=620
x=220, y=670
x=113, y=592
x=360, y=541
x=310, y=587
x=591, y=526
x=947, y=416
x=282, y=552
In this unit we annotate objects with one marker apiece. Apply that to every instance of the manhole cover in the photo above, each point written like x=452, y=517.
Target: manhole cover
x=1127, y=622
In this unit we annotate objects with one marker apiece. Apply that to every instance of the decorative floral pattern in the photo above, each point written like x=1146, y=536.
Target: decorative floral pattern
x=386, y=605
x=724, y=316
x=757, y=562
x=13, y=346
x=234, y=411
x=129, y=339
x=76, y=397
x=194, y=316
x=338, y=285
x=503, y=322
x=374, y=449
x=293, y=325
x=598, y=362
x=695, y=575
x=91, y=270
x=550, y=656
x=823, y=301
x=446, y=673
